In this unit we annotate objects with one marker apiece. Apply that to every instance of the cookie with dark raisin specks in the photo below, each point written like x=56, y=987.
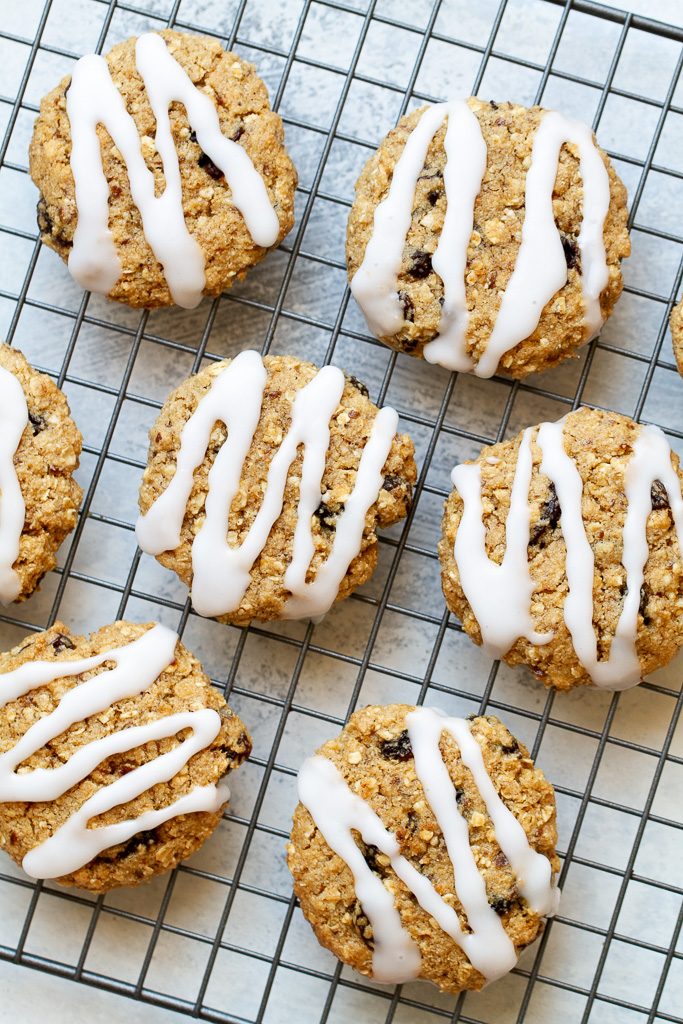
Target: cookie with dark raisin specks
x=423, y=846
x=562, y=549
x=115, y=749
x=487, y=237
x=265, y=484
x=40, y=446
x=162, y=170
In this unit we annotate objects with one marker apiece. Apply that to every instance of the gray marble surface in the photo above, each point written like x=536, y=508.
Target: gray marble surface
x=402, y=643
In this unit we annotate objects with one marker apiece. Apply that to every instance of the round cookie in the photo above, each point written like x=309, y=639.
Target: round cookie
x=309, y=470
x=40, y=447
x=405, y=781
x=676, y=324
x=561, y=549
x=513, y=273
x=88, y=812
x=207, y=218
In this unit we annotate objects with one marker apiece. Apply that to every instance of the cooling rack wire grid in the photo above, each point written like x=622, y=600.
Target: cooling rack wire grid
x=222, y=938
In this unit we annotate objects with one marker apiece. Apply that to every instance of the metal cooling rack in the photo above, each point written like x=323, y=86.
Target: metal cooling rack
x=222, y=938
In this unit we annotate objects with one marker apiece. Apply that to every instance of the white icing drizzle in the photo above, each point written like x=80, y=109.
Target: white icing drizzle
x=502, y=607
x=541, y=268
x=93, y=99
x=651, y=460
x=137, y=666
x=13, y=420
x=311, y=600
x=500, y=595
x=336, y=810
x=462, y=177
x=221, y=571
x=374, y=284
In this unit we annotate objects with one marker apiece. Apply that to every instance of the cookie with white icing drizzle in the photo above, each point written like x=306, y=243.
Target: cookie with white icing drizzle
x=423, y=846
x=562, y=549
x=265, y=483
x=113, y=754
x=40, y=447
x=487, y=237
x=162, y=170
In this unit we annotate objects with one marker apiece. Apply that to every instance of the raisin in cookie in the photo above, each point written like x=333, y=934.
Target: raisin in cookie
x=162, y=170
x=40, y=447
x=487, y=236
x=265, y=482
x=562, y=550
x=676, y=324
x=423, y=846
x=123, y=745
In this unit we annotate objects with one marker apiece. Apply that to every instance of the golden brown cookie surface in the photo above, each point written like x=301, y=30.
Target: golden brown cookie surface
x=374, y=756
x=212, y=219
x=499, y=211
x=676, y=324
x=350, y=428
x=601, y=446
x=180, y=688
x=47, y=456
